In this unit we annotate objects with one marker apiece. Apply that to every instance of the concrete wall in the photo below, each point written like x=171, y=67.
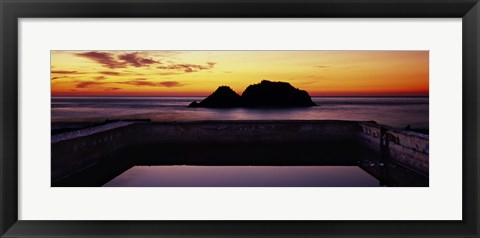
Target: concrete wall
x=226, y=142
x=74, y=151
x=229, y=143
x=408, y=148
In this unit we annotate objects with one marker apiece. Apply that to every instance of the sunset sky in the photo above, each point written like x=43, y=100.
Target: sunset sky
x=199, y=73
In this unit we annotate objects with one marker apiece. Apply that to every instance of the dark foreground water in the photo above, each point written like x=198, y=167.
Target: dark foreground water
x=392, y=111
x=244, y=176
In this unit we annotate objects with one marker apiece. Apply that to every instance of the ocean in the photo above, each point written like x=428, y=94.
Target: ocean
x=397, y=112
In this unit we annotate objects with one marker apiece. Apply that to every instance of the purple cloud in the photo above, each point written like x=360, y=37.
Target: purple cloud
x=105, y=59
x=136, y=60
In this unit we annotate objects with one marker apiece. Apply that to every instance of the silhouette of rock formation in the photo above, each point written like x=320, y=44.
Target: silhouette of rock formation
x=264, y=94
x=223, y=97
x=275, y=94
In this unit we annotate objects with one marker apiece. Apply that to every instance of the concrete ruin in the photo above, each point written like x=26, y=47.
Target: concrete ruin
x=93, y=156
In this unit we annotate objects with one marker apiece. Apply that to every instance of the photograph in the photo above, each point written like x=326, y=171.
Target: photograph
x=239, y=118
x=230, y=119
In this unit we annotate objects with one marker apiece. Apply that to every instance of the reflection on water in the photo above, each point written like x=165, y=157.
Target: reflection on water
x=392, y=111
x=244, y=176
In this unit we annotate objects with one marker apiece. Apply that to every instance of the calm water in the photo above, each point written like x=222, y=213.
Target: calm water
x=244, y=176
x=393, y=111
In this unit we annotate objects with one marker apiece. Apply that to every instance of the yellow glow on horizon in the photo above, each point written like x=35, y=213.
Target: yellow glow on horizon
x=199, y=73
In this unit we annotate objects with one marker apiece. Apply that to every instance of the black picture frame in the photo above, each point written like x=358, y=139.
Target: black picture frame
x=11, y=11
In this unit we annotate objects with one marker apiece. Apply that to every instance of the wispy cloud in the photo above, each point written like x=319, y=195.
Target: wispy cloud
x=189, y=68
x=167, y=84
x=170, y=84
x=135, y=82
x=104, y=58
x=310, y=82
x=112, y=89
x=139, y=59
x=139, y=83
x=100, y=78
x=111, y=73
x=112, y=61
x=135, y=59
x=87, y=84
x=64, y=72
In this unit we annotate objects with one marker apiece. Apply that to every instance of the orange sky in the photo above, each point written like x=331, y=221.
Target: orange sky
x=199, y=73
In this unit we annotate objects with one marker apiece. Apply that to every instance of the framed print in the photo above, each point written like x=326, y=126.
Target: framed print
x=226, y=118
